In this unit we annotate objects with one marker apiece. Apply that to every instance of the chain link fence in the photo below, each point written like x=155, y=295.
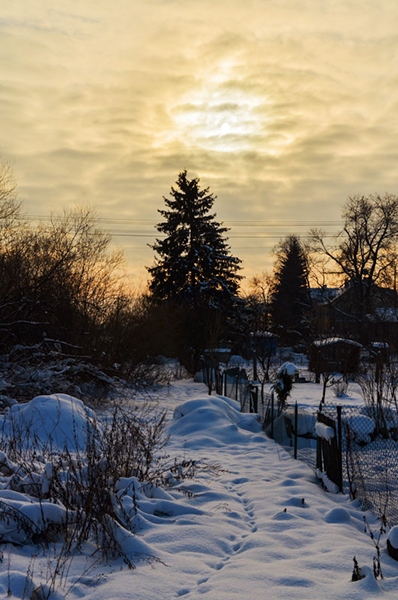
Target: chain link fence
x=368, y=453
x=368, y=450
x=293, y=428
x=371, y=455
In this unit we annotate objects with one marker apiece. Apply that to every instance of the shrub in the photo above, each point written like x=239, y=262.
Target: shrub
x=77, y=484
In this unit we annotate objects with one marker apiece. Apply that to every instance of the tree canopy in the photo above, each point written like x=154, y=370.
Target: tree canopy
x=366, y=250
x=193, y=262
x=290, y=298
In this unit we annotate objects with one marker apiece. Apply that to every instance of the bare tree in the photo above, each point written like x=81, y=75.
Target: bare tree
x=365, y=251
x=61, y=283
x=8, y=189
x=258, y=301
x=9, y=205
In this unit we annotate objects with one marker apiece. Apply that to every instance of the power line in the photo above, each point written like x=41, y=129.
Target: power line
x=266, y=229
x=257, y=236
x=235, y=223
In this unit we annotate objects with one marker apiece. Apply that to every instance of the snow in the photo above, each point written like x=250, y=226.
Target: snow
x=393, y=536
x=324, y=431
x=259, y=526
x=56, y=421
x=328, y=484
x=335, y=340
x=23, y=506
x=287, y=368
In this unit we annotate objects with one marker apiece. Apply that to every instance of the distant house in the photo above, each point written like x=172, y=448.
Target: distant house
x=382, y=326
x=334, y=355
x=346, y=315
x=263, y=343
x=323, y=294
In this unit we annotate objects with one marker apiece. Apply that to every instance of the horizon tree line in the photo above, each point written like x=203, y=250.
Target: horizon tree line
x=63, y=290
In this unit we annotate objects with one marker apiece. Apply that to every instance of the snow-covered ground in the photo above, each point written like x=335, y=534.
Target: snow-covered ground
x=261, y=528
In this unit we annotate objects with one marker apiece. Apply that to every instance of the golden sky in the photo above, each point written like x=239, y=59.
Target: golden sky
x=283, y=108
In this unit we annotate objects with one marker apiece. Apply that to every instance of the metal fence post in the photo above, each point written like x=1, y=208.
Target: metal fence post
x=318, y=445
x=340, y=442
x=272, y=414
x=253, y=391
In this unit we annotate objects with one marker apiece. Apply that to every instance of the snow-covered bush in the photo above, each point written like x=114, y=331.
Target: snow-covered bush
x=49, y=423
x=392, y=542
x=361, y=428
x=340, y=387
x=284, y=384
x=65, y=475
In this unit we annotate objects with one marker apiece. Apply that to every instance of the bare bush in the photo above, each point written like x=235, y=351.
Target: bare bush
x=379, y=387
x=340, y=387
x=64, y=298
x=87, y=485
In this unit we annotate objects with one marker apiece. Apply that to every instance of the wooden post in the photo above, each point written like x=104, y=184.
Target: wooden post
x=295, y=429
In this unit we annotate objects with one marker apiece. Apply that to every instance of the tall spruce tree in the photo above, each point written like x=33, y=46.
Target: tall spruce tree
x=290, y=299
x=194, y=268
x=194, y=263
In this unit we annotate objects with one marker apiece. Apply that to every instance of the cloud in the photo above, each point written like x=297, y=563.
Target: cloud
x=283, y=108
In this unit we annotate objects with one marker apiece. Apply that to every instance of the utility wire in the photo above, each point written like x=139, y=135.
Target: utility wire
x=235, y=223
x=266, y=229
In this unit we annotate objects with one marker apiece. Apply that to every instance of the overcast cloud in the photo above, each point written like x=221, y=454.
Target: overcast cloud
x=283, y=107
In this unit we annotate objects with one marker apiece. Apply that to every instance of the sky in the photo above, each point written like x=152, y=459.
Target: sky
x=283, y=108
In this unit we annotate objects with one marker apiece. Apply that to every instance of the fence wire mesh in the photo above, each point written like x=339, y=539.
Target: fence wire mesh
x=238, y=388
x=372, y=461
x=370, y=458
x=293, y=428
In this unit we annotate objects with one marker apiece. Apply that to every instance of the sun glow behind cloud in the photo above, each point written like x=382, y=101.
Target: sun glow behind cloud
x=219, y=114
x=282, y=108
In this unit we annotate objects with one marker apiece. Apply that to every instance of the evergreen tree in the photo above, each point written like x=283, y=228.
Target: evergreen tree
x=194, y=263
x=290, y=300
x=194, y=270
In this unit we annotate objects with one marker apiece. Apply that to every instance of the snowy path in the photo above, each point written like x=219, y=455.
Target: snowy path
x=246, y=525
x=263, y=528
x=270, y=530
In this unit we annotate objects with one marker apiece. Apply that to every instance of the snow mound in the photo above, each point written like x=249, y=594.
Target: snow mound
x=362, y=427
x=287, y=368
x=57, y=421
x=23, y=516
x=338, y=515
x=214, y=420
